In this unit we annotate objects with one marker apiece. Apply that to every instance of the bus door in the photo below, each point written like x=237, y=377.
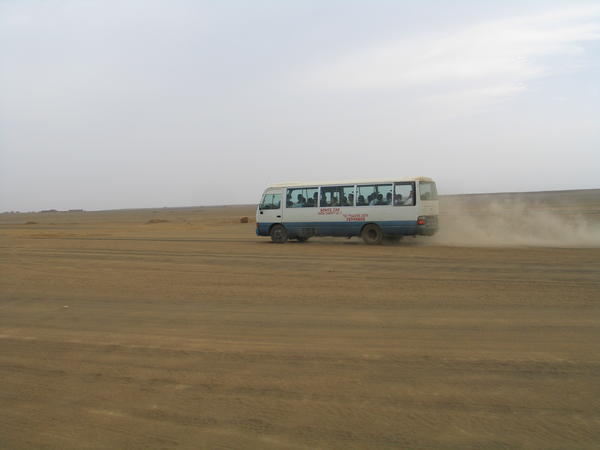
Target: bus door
x=270, y=209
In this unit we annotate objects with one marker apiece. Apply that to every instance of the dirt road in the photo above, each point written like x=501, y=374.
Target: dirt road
x=178, y=328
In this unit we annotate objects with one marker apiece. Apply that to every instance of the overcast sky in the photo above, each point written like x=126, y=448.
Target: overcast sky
x=143, y=103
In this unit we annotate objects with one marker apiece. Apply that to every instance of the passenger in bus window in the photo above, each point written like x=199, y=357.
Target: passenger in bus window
x=404, y=201
x=301, y=202
x=388, y=198
x=310, y=202
x=334, y=201
x=373, y=199
x=324, y=199
x=361, y=201
x=350, y=199
x=315, y=198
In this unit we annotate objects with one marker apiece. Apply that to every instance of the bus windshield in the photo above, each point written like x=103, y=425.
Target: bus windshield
x=428, y=190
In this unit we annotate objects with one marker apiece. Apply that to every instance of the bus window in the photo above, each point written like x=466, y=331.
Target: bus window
x=270, y=201
x=347, y=196
x=428, y=190
x=404, y=194
x=374, y=195
x=302, y=197
x=337, y=196
x=329, y=196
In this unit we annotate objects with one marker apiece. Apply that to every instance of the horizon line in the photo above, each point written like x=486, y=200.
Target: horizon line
x=75, y=210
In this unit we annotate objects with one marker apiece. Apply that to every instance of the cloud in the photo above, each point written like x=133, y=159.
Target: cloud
x=482, y=62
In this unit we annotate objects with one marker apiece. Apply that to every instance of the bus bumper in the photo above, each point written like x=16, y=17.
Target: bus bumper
x=427, y=225
x=262, y=229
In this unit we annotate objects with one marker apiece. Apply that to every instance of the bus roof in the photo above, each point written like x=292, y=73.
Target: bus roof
x=346, y=182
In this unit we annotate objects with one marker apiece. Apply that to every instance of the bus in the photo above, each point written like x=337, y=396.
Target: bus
x=376, y=210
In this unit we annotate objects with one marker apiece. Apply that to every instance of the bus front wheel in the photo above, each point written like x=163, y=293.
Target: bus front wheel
x=279, y=234
x=372, y=234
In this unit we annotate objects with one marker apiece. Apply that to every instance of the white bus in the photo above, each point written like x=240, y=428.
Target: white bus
x=372, y=209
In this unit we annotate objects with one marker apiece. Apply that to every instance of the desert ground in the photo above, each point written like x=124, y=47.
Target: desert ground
x=179, y=328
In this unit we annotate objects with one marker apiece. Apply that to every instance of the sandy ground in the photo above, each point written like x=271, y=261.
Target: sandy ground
x=194, y=333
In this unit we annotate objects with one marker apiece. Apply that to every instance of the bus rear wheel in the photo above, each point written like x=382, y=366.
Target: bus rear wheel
x=372, y=234
x=279, y=234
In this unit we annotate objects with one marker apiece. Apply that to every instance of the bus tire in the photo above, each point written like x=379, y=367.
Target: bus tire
x=372, y=234
x=279, y=234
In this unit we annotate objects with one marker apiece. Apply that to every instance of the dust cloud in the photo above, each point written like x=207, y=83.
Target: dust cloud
x=564, y=220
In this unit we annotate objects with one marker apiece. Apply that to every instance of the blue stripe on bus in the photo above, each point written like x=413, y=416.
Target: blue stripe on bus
x=389, y=227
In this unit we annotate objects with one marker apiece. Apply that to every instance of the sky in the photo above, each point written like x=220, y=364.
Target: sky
x=148, y=103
